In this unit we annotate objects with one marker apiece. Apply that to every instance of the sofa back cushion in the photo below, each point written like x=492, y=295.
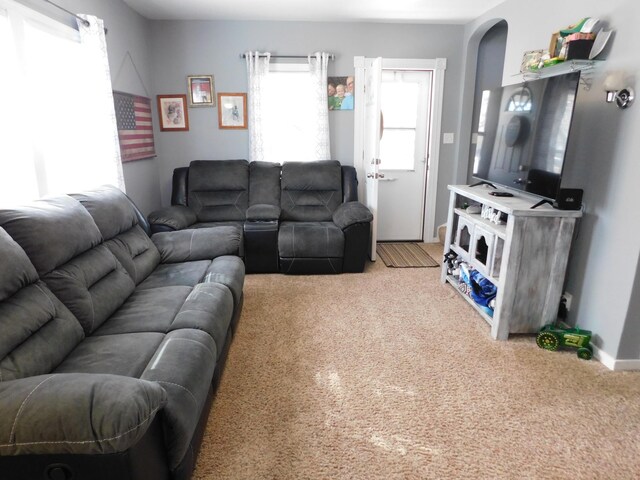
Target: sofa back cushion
x=51, y=231
x=218, y=190
x=38, y=332
x=119, y=223
x=264, y=183
x=65, y=245
x=311, y=191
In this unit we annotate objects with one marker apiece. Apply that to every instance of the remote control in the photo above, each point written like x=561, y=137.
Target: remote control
x=501, y=194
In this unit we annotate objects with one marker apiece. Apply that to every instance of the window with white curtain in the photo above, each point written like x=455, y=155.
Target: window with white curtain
x=56, y=135
x=289, y=114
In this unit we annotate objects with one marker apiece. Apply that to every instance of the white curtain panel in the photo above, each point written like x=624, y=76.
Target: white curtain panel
x=257, y=71
x=109, y=165
x=318, y=68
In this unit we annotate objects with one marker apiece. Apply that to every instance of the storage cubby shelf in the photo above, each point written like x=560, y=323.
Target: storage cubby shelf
x=500, y=230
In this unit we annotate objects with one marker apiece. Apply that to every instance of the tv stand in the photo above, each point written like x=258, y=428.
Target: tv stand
x=524, y=255
x=542, y=202
x=483, y=182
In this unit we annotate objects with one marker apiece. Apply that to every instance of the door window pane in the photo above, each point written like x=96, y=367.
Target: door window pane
x=399, y=104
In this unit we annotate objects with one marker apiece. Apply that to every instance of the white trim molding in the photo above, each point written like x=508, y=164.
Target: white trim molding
x=613, y=364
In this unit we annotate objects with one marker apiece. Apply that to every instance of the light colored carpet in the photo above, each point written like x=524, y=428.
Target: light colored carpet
x=405, y=254
x=391, y=375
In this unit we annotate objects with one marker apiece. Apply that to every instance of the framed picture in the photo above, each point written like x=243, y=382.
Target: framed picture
x=232, y=110
x=172, y=110
x=340, y=92
x=201, y=91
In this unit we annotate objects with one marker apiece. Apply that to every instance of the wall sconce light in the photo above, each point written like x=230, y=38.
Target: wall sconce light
x=615, y=85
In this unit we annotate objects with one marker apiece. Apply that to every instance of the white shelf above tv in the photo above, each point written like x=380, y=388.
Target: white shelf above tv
x=584, y=66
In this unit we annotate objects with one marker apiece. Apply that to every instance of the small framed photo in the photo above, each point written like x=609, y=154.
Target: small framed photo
x=172, y=110
x=201, y=91
x=232, y=110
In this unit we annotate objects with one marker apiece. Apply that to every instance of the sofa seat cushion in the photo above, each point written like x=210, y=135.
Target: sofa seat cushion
x=126, y=354
x=187, y=274
x=310, y=240
x=228, y=271
x=209, y=308
x=183, y=365
x=147, y=310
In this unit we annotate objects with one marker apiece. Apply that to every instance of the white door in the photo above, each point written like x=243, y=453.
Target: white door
x=372, y=78
x=405, y=102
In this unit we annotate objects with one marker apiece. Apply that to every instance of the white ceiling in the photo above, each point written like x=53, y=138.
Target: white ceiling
x=406, y=11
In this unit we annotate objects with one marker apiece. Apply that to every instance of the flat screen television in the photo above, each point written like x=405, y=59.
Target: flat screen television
x=522, y=134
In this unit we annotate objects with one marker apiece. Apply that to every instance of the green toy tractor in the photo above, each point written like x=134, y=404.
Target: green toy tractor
x=552, y=337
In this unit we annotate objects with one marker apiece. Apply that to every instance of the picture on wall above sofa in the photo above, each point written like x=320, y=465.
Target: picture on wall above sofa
x=135, y=130
x=172, y=110
x=201, y=91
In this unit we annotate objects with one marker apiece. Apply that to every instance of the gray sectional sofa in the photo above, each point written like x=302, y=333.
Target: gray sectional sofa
x=301, y=217
x=111, y=340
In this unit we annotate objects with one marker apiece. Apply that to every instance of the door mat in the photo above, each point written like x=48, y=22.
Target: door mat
x=404, y=255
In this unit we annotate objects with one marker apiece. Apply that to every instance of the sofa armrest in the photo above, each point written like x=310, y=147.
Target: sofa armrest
x=351, y=213
x=263, y=212
x=197, y=244
x=76, y=413
x=176, y=217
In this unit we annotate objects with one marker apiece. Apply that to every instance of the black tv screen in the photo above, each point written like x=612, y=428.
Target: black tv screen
x=522, y=134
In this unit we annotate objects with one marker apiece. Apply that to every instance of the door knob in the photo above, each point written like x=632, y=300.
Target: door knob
x=370, y=175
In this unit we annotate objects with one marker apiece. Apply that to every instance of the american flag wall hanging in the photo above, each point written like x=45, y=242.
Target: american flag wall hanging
x=135, y=130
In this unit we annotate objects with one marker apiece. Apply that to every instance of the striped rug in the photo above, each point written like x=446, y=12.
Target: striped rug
x=404, y=255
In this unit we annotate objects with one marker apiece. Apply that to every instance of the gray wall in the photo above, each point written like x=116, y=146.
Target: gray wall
x=128, y=32
x=192, y=47
x=602, y=159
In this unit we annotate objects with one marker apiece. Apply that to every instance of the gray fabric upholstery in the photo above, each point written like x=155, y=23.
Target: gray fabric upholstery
x=177, y=217
x=136, y=253
x=171, y=274
x=310, y=240
x=197, y=244
x=150, y=310
x=351, y=213
x=92, y=285
x=51, y=231
x=261, y=212
x=209, y=307
x=75, y=343
x=110, y=209
x=36, y=330
x=219, y=190
x=76, y=413
x=264, y=183
x=125, y=354
x=37, y=333
x=183, y=366
x=16, y=270
x=119, y=223
x=228, y=271
x=311, y=191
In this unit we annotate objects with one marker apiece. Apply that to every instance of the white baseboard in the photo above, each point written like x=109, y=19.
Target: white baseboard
x=613, y=364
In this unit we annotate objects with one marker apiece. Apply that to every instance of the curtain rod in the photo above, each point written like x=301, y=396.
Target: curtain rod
x=331, y=56
x=85, y=22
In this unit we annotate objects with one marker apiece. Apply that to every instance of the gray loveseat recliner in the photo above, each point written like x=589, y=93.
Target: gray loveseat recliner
x=301, y=217
x=111, y=342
